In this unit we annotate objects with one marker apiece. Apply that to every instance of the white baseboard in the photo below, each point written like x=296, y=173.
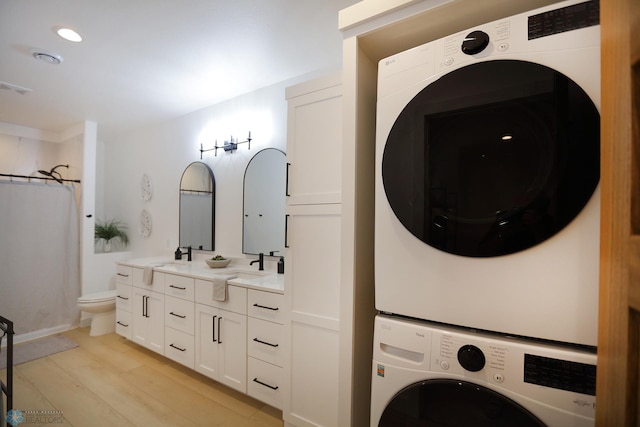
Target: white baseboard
x=40, y=333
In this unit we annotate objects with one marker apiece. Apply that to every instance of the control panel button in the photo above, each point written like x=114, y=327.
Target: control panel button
x=444, y=365
x=471, y=358
x=475, y=42
x=498, y=377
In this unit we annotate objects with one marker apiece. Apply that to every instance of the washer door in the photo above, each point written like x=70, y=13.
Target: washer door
x=492, y=158
x=454, y=403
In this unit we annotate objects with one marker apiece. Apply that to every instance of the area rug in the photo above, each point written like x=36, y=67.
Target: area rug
x=36, y=349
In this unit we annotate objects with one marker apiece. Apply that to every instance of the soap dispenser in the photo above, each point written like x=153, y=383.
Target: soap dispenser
x=281, y=265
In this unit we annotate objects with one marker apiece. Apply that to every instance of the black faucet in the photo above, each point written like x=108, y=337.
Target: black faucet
x=178, y=253
x=260, y=261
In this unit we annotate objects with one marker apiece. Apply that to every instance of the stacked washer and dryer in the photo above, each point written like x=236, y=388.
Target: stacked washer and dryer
x=487, y=225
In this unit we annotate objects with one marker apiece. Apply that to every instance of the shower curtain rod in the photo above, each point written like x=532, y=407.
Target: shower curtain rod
x=37, y=177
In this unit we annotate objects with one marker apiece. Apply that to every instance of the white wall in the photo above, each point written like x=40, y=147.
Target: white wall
x=165, y=150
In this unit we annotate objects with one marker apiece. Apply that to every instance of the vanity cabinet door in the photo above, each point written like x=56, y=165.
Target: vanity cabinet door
x=221, y=346
x=148, y=319
x=232, y=338
x=207, y=352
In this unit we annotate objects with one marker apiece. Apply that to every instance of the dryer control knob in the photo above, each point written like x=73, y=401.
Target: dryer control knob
x=471, y=358
x=475, y=42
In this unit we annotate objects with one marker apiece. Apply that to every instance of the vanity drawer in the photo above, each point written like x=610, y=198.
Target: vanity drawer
x=123, y=323
x=236, y=297
x=265, y=305
x=179, y=314
x=265, y=382
x=265, y=341
x=157, y=280
x=179, y=347
x=124, y=274
x=123, y=297
x=179, y=286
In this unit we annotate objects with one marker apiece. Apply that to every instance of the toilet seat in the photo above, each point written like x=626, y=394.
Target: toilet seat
x=98, y=296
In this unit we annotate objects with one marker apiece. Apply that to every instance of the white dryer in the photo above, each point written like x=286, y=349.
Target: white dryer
x=487, y=171
x=425, y=374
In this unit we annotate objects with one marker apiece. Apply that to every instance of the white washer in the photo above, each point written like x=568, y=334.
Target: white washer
x=418, y=379
x=546, y=290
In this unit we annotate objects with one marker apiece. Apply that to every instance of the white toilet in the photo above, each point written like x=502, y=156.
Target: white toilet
x=102, y=306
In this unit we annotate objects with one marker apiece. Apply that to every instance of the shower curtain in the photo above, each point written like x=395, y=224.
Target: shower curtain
x=39, y=256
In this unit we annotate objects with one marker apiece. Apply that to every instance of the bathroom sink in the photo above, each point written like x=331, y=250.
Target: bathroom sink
x=249, y=274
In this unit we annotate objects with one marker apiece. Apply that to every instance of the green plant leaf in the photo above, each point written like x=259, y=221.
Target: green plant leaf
x=111, y=229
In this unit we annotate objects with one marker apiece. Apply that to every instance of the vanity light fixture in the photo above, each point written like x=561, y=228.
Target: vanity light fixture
x=228, y=146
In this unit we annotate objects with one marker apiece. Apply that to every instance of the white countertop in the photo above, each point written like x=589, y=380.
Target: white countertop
x=268, y=281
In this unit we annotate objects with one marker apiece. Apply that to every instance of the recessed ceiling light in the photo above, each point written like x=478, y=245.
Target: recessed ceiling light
x=69, y=34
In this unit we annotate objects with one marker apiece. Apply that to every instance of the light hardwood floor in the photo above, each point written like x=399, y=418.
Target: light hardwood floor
x=109, y=381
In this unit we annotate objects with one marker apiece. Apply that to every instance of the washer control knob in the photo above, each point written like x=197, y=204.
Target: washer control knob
x=471, y=358
x=475, y=42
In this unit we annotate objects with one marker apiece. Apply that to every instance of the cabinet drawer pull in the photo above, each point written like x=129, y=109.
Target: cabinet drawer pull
x=266, y=307
x=177, y=287
x=177, y=348
x=265, y=384
x=122, y=324
x=286, y=181
x=123, y=275
x=144, y=306
x=265, y=343
x=286, y=231
x=177, y=315
x=213, y=327
x=124, y=298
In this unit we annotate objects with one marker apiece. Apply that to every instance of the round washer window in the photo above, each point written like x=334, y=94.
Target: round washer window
x=455, y=404
x=493, y=158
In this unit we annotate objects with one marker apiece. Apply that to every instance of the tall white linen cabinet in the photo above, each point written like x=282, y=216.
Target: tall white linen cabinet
x=313, y=239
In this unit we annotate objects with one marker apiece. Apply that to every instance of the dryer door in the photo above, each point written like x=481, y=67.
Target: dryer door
x=454, y=404
x=492, y=158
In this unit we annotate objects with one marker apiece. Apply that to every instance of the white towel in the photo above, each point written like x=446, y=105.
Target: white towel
x=147, y=275
x=220, y=287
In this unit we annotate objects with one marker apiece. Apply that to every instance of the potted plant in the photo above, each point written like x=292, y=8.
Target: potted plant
x=109, y=230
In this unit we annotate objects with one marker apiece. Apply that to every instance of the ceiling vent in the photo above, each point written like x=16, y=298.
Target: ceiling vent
x=14, y=88
x=48, y=57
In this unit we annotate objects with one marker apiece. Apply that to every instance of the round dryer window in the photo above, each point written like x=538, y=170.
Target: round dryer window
x=454, y=403
x=492, y=158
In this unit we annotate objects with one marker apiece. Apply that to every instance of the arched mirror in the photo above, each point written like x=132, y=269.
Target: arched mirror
x=264, y=203
x=197, y=207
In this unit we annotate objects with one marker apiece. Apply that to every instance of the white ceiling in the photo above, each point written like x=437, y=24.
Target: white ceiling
x=145, y=61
